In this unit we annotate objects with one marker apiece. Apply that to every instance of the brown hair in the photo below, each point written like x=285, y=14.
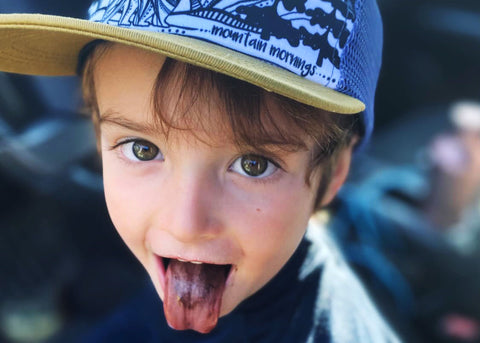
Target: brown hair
x=247, y=112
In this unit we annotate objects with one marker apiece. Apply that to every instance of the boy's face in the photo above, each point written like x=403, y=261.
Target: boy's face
x=194, y=197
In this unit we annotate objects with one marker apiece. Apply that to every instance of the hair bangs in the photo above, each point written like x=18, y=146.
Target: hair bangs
x=237, y=110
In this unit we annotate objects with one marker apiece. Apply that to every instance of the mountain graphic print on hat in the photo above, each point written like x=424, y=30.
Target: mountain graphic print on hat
x=304, y=37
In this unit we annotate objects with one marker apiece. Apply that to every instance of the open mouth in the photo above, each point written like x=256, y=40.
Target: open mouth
x=193, y=293
x=225, y=267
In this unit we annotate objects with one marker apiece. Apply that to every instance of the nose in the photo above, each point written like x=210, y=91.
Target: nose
x=193, y=207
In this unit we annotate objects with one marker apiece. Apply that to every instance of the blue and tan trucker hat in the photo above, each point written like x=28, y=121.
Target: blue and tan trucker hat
x=325, y=53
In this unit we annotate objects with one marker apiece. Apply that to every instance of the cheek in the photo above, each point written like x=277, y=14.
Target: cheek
x=278, y=214
x=272, y=227
x=126, y=203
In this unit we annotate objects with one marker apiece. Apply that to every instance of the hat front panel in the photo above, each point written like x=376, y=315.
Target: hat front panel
x=306, y=37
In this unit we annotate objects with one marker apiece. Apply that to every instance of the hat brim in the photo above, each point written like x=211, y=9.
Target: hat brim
x=39, y=44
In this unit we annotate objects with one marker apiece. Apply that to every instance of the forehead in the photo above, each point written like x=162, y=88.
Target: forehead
x=124, y=79
x=126, y=84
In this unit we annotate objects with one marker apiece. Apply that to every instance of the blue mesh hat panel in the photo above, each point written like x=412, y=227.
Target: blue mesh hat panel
x=361, y=61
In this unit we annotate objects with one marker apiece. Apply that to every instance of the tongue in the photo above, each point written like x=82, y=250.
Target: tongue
x=193, y=295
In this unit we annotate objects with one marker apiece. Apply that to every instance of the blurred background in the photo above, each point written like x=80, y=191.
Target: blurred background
x=409, y=225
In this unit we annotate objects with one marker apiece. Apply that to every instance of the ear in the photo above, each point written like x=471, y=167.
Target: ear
x=339, y=172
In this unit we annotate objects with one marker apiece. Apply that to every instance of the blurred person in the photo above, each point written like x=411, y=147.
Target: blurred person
x=455, y=186
x=413, y=235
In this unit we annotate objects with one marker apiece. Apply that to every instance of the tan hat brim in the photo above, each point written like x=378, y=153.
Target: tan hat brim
x=49, y=45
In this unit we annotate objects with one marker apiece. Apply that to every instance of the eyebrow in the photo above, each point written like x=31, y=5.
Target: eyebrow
x=266, y=146
x=114, y=118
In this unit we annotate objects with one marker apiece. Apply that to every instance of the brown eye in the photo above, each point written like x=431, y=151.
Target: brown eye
x=144, y=151
x=254, y=165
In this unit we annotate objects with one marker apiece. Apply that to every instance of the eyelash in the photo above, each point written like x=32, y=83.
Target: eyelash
x=124, y=141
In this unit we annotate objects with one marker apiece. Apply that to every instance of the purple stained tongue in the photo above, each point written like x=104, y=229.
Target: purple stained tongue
x=193, y=295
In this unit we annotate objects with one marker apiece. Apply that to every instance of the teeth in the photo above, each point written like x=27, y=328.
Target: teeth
x=194, y=262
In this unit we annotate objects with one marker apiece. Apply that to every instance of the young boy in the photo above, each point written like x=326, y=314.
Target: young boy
x=223, y=126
